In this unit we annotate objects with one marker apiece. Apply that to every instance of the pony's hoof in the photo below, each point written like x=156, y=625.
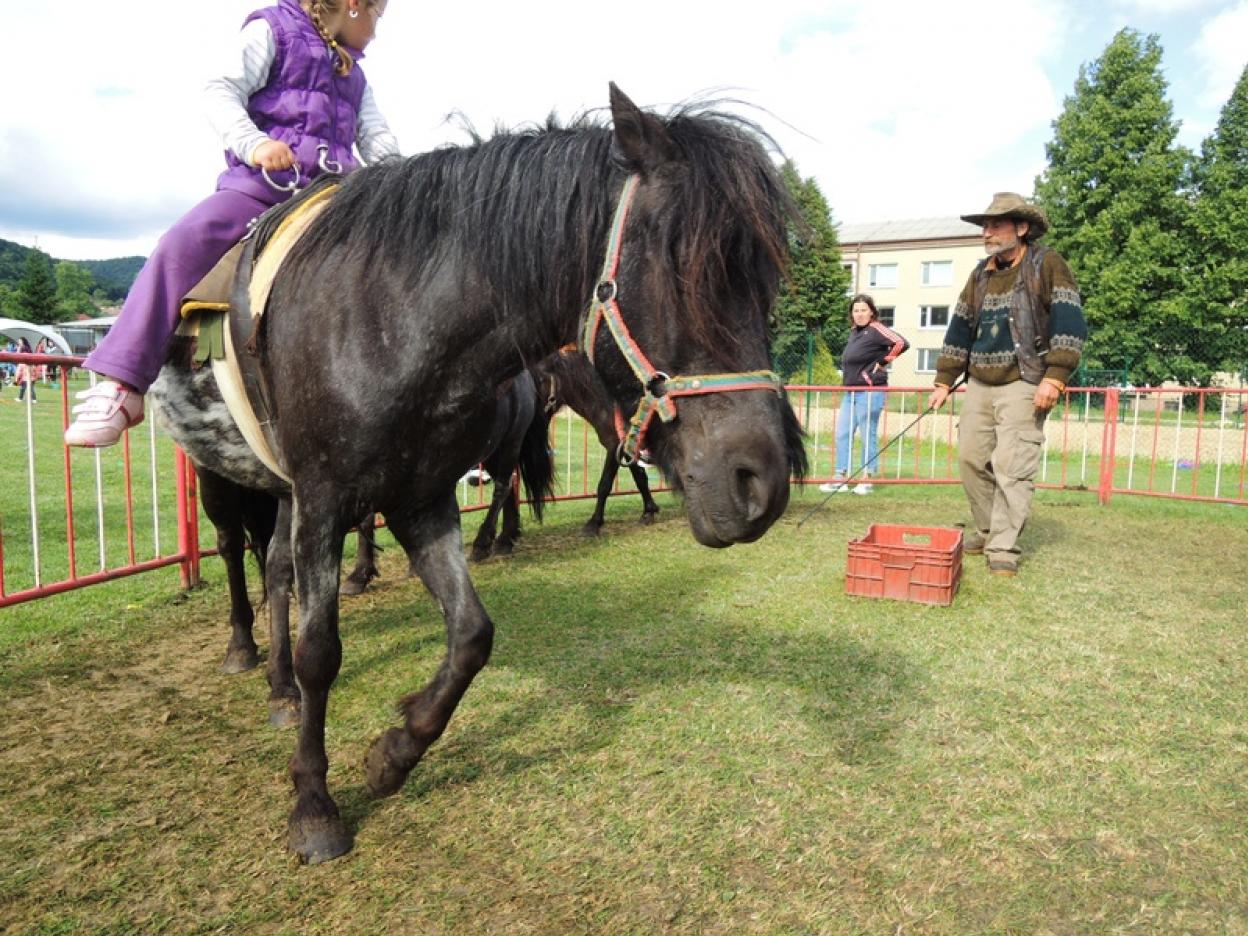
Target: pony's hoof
x=503, y=548
x=240, y=660
x=353, y=586
x=591, y=530
x=478, y=554
x=318, y=838
x=382, y=775
x=283, y=713
x=648, y=518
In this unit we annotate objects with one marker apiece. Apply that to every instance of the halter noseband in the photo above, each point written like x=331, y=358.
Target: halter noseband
x=659, y=390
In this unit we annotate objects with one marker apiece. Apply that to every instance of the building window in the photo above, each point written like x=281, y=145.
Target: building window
x=933, y=316
x=852, y=267
x=886, y=315
x=938, y=273
x=927, y=360
x=883, y=276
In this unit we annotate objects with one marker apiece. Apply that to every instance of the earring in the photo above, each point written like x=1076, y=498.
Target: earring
x=354, y=14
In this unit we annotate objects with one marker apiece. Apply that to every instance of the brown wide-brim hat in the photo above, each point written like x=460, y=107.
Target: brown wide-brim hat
x=1012, y=205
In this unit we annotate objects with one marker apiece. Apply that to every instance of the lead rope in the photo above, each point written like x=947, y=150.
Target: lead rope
x=659, y=390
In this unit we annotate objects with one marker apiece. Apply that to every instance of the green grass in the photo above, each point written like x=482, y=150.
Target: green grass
x=672, y=739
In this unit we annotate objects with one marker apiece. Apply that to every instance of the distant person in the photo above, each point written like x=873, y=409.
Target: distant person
x=1018, y=332
x=24, y=377
x=872, y=346
x=292, y=96
x=8, y=368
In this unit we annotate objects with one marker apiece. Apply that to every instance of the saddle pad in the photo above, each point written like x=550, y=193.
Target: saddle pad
x=212, y=293
x=211, y=299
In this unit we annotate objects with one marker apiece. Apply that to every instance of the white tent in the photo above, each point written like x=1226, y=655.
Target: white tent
x=16, y=328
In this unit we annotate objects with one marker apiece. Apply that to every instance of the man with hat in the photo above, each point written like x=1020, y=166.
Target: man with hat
x=1017, y=331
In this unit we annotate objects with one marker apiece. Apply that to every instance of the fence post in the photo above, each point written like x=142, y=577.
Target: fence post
x=192, y=519
x=188, y=519
x=1109, y=444
x=184, y=549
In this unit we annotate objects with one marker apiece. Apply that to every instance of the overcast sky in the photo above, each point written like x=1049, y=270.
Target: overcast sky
x=899, y=108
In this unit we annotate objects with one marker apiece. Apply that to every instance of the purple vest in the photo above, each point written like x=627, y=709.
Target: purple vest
x=304, y=104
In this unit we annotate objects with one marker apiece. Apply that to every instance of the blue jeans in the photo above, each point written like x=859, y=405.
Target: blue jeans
x=860, y=412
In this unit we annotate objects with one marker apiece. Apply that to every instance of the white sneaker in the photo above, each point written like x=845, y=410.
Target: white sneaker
x=835, y=486
x=865, y=488
x=477, y=477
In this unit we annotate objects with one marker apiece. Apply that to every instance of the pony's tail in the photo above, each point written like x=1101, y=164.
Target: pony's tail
x=537, y=462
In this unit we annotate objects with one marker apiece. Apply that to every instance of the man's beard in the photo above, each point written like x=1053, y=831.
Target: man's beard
x=995, y=249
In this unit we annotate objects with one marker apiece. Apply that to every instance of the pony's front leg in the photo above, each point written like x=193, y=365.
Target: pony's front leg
x=649, y=509
x=315, y=830
x=283, y=691
x=433, y=545
x=606, y=480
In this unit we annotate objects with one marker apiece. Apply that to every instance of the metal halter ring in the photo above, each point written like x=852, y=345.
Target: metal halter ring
x=332, y=166
x=657, y=380
x=606, y=290
x=623, y=458
x=291, y=186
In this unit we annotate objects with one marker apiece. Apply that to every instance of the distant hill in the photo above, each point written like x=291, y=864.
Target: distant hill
x=113, y=277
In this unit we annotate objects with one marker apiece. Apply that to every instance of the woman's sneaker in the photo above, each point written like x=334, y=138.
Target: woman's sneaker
x=107, y=410
x=865, y=487
x=835, y=486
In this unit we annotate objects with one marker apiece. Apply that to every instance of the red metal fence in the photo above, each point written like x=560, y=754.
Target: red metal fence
x=57, y=506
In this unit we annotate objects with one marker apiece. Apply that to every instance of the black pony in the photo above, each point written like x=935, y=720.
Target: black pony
x=568, y=379
x=427, y=281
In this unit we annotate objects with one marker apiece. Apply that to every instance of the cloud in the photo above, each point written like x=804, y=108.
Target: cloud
x=1222, y=51
x=899, y=108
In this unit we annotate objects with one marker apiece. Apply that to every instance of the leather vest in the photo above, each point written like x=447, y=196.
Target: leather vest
x=1029, y=312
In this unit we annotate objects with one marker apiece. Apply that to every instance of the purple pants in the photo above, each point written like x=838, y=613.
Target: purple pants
x=135, y=348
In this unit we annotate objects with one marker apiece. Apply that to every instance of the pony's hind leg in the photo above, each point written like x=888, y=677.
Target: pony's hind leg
x=283, y=691
x=483, y=544
x=315, y=830
x=365, y=558
x=223, y=505
x=510, y=533
x=432, y=541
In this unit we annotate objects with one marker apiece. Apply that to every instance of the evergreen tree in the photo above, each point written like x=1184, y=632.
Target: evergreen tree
x=815, y=293
x=73, y=291
x=1217, y=288
x=36, y=292
x=1112, y=192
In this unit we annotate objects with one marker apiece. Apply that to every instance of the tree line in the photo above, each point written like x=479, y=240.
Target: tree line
x=1155, y=233
x=36, y=288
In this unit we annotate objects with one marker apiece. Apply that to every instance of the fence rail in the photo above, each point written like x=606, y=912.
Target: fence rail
x=58, y=507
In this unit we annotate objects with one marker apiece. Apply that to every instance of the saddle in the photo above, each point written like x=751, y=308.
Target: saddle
x=209, y=316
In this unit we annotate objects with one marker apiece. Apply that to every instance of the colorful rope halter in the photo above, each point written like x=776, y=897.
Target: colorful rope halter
x=659, y=390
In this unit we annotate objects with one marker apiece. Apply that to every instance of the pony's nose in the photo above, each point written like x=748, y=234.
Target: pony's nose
x=752, y=494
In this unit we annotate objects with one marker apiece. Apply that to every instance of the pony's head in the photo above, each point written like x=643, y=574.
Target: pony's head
x=701, y=257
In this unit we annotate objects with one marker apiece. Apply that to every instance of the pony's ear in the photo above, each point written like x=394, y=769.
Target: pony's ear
x=641, y=142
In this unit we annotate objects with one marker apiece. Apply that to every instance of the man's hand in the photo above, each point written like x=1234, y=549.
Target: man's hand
x=1047, y=395
x=938, y=396
x=273, y=155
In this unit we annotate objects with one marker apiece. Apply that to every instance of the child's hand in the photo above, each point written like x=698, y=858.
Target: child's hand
x=273, y=155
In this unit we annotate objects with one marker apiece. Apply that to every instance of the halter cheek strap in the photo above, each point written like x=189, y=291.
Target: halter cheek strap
x=659, y=390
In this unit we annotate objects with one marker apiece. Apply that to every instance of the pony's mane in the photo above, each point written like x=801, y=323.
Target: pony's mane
x=532, y=208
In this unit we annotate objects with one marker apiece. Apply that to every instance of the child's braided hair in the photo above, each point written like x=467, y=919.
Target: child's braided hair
x=317, y=9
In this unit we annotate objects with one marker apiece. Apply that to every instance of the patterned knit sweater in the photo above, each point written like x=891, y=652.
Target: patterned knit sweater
x=988, y=347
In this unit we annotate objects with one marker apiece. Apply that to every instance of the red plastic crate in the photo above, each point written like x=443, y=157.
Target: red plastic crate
x=909, y=563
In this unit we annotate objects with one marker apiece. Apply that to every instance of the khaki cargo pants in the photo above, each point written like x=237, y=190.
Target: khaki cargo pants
x=1000, y=434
